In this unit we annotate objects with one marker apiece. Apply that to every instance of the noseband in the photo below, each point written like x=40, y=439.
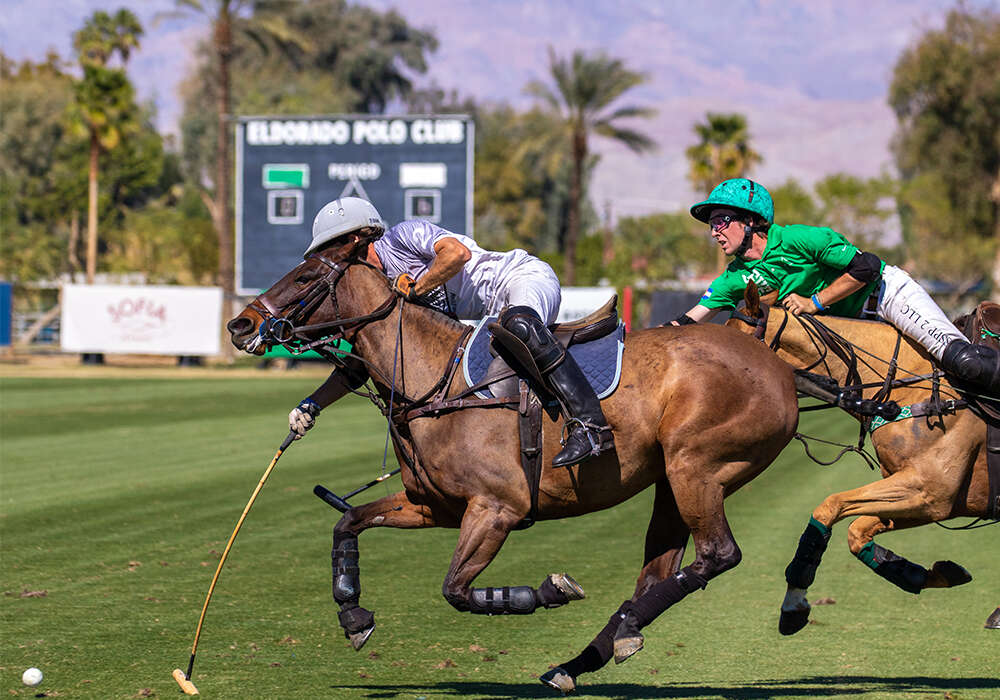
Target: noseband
x=280, y=325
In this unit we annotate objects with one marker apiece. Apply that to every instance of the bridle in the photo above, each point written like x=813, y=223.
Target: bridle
x=282, y=325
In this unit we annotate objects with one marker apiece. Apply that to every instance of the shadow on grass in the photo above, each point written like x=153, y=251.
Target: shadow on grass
x=818, y=686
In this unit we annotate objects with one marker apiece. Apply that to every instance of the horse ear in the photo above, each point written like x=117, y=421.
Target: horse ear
x=751, y=297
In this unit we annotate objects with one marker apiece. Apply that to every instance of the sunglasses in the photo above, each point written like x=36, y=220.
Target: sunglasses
x=717, y=223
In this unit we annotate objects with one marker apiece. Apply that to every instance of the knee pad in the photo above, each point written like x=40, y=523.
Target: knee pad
x=524, y=323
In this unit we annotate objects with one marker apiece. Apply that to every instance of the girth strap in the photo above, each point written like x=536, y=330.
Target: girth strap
x=529, y=425
x=993, y=470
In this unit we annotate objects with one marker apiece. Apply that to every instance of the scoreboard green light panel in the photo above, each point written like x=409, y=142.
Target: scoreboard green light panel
x=412, y=167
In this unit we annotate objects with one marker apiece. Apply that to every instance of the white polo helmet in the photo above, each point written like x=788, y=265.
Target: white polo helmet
x=343, y=216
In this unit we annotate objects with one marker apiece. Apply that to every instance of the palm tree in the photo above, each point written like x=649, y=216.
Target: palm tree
x=723, y=151
x=585, y=86
x=226, y=18
x=105, y=100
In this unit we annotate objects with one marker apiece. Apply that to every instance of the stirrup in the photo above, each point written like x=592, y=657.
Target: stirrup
x=589, y=430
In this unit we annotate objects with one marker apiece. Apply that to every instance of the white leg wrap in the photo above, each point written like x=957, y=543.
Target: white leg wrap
x=909, y=308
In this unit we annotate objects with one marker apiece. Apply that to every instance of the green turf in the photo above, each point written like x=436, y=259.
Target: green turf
x=118, y=496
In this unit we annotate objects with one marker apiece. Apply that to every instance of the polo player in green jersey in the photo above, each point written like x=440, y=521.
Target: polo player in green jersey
x=816, y=270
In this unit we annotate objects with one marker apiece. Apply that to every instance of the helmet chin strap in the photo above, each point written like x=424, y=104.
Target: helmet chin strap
x=745, y=244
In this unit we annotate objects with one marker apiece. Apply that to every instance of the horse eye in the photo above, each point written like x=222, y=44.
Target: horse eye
x=302, y=279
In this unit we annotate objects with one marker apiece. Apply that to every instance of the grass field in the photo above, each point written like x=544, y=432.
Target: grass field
x=118, y=494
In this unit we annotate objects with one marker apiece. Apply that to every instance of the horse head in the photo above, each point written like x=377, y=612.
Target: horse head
x=752, y=319
x=302, y=306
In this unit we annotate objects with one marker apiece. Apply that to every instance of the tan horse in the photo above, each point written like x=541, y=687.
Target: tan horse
x=933, y=466
x=699, y=412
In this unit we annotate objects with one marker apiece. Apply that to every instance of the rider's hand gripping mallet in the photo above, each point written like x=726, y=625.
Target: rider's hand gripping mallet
x=184, y=679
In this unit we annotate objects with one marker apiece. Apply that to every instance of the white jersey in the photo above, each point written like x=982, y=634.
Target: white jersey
x=484, y=284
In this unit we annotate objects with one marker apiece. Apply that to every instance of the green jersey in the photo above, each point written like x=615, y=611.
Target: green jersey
x=797, y=259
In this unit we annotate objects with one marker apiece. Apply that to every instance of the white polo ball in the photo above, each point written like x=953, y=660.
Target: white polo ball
x=31, y=677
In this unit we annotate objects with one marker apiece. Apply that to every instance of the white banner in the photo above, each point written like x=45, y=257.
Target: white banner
x=577, y=302
x=141, y=319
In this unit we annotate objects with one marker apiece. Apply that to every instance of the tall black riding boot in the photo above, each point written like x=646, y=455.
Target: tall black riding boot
x=975, y=364
x=586, y=433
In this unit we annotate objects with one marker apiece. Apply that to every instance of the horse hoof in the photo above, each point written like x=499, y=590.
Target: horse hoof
x=792, y=621
x=626, y=647
x=560, y=680
x=358, y=639
x=566, y=584
x=949, y=574
x=993, y=621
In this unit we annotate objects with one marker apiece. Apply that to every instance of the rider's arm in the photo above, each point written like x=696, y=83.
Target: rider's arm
x=697, y=314
x=449, y=256
x=340, y=383
x=863, y=268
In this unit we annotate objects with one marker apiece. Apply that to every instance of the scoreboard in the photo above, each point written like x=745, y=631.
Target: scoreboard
x=287, y=168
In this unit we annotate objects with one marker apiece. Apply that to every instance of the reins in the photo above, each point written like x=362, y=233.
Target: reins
x=826, y=341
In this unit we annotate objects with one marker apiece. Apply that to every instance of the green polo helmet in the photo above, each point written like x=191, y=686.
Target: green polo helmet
x=738, y=193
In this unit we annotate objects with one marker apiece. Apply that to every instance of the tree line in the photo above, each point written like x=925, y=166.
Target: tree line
x=77, y=147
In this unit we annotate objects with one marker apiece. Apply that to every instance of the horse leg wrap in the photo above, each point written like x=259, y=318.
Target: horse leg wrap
x=599, y=651
x=344, y=560
x=801, y=572
x=664, y=594
x=893, y=568
x=509, y=600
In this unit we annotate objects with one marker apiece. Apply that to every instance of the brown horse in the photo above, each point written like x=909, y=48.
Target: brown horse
x=699, y=412
x=932, y=458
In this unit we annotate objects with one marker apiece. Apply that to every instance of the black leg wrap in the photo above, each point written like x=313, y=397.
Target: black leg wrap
x=801, y=572
x=549, y=595
x=354, y=618
x=599, y=651
x=509, y=600
x=664, y=594
x=344, y=560
x=894, y=568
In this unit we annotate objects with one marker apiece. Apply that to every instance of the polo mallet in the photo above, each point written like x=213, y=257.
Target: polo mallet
x=184, y=679
x=341, y=504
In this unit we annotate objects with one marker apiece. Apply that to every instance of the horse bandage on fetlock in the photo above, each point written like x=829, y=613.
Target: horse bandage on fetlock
x=346, y=573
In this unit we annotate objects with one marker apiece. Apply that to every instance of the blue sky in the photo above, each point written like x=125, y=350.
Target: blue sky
x=811, y=76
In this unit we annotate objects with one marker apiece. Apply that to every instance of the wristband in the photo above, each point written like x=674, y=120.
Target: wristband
x=819, y=306
x=309, y=406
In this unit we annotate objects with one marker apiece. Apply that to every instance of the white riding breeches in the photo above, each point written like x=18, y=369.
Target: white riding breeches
x=532, y=284
x=905, y=304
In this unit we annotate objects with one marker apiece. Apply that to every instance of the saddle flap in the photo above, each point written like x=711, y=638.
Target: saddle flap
x=986, y=327
x=597, y=324
x=514, y=352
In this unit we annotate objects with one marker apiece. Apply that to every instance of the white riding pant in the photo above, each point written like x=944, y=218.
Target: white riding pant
x=532, y=284
x=904, y=303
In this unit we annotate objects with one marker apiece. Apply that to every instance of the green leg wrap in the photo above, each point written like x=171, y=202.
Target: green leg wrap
x=893, y=568
x=802, y=569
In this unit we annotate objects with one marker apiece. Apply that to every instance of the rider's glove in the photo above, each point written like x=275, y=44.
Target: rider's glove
x=303, y=417
x=404, y=285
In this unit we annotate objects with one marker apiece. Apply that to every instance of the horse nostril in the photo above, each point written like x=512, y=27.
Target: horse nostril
x=240, y=325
